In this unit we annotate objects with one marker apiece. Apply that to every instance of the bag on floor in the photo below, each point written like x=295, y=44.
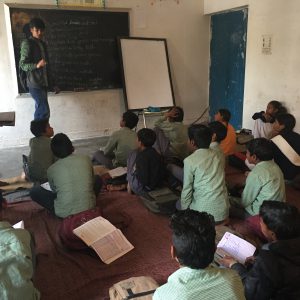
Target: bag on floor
x=138, y=288
x=161, y=200
x=65, y=231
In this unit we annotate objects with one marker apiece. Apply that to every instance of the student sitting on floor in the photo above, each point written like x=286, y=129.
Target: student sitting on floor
x=145, y=168
x=171, y=136
x=228, y=145
x=219, y=132
x=275, y=273
x=40, y=156
x=16, y=264
x=71, y=180
x=193, y=247
x=264, y=182
x=263, y=121
x=119, y=145
x=286, y=147
x=204, y=187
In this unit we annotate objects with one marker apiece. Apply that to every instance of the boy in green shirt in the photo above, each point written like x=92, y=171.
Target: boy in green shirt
x=264, y=182
x=16, y=264
x=119, y=145
x=71, y=180
x=171, y=136
x=193, y=247
x=204, y=187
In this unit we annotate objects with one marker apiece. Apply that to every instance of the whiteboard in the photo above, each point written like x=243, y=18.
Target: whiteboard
x=146, y=73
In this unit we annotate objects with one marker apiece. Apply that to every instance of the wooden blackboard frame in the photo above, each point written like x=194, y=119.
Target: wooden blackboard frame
x=162, y=40
x=9, y=6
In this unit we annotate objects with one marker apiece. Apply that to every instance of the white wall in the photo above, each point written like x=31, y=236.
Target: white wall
x=275, y=76
x=97, y=113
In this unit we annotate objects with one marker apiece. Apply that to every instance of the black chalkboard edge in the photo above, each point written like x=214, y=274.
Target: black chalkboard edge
x=66, y=7
x=123, y=74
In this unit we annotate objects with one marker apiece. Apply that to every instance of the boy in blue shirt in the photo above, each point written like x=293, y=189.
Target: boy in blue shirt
x=145, y=169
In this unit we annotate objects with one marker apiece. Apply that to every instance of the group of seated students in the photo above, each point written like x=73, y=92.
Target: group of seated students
x=194, y=157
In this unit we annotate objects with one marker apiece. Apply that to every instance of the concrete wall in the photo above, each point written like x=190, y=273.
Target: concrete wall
x=89, y=114
x=275, y=75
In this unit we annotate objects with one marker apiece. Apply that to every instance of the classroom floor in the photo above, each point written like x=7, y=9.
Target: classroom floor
x=11, y=158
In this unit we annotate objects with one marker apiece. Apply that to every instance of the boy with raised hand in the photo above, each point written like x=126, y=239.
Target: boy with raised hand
x=193, y=247
x=275, y=273
x=264, y=182
x=145, y=168
x=71, y=179
x=228, y=145
x=204, y=187
x=171, y=133
x=119, y=145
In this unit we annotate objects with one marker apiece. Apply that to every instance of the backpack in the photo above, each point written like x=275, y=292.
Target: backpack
x=139, y=288
x=162, y=200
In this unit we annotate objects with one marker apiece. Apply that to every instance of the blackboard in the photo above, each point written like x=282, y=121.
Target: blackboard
x=82, y=45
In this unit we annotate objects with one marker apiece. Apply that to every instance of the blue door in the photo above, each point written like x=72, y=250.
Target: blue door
x=227, y=68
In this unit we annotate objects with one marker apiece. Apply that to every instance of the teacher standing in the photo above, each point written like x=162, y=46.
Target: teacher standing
x=34, y=61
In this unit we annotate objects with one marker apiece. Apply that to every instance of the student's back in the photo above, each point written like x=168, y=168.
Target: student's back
x=210, y=283
x=204, y=187
x=204, y=175
x=121, y=143
x=40, y=158
x=72, y=179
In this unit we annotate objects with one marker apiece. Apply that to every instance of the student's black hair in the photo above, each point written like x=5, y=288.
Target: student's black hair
x=193, y=238
x=281, y=218
x=130, y=119
x=180, y=114
x=38, y=127
x=37, y=23
x=278, y=105
x=262, y=148
x=219, y=129
x=225, y=114
x=201, y=135
x=146, y=136
x=61, y=145
x=288, y=121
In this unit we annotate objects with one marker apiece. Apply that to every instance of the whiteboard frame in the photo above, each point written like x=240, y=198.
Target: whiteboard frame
x=125, y=77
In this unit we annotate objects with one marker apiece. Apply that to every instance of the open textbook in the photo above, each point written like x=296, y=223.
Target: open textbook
x=235, y=246
x=117, y=172
x=107, y=241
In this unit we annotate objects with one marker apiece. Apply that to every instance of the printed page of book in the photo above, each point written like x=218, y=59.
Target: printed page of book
x=112, y=246
x=236, y=247
x=117, y=172
x=94, y=230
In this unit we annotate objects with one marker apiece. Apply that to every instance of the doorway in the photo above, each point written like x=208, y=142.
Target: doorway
x=227, y=66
